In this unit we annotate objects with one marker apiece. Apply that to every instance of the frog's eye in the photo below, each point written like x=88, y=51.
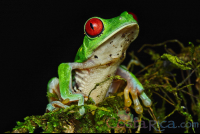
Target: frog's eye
x=93, y=27
x=134, y=16
x=127, y=110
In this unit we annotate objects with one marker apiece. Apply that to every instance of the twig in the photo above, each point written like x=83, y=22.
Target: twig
x=189, y=89
x=144, y=69
x=170, y=113
x=164, y=98
x=189, y=94
x=186, y=78
x=160, y=44
x=139, y=127
x=154, y=118
x=167, y=96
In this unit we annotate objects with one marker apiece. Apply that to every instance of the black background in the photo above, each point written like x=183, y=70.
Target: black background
x=38, y=36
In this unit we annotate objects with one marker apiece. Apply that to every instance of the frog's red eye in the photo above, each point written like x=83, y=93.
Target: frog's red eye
x=134, y=16
x=93, y=27
x=127, y=110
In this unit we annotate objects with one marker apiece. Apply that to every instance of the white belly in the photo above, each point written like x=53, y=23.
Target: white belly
x=86, y=80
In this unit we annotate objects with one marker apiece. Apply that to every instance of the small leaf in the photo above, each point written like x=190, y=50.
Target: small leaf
x=179, y=63
x=104, y=109
x=192, y=49
x=92, y=107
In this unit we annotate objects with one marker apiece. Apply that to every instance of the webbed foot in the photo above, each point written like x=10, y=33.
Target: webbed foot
x=57, y=102
x=136, y=91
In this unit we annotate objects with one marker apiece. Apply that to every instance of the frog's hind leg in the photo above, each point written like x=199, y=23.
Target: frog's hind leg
x=115, y=85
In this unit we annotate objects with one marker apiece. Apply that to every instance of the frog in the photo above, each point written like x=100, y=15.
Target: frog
x=125, y=115
x=99, y=57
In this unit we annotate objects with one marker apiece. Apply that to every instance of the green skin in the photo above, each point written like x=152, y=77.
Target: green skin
x=84, y=53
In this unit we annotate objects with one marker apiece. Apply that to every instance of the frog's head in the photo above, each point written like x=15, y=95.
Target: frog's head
x=122, y=29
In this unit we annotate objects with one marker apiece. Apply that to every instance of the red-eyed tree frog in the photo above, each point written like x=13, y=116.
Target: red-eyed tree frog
x=103, y=49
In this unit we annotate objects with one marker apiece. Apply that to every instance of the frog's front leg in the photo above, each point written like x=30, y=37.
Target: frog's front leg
x=135, y=88
x=54, y=101
x=65, y=89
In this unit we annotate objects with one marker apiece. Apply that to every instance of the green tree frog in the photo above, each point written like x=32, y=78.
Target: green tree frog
x=103, y=49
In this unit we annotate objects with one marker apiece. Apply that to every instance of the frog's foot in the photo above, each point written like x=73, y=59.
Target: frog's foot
x=58, y=101
x=55, y=104
x=135, y=91
x=135, y=88
x=76, y=97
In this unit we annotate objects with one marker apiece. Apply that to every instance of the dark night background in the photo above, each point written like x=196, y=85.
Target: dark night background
x=37, y=36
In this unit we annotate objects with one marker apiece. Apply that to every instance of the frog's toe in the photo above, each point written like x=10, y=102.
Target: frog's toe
x=137, y=106
x=127, y=100
x=145, y=99
x=82, y=110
